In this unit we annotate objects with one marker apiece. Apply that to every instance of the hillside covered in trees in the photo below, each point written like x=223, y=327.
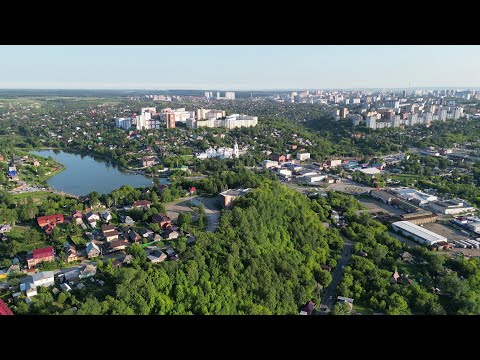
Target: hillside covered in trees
x=264, y=258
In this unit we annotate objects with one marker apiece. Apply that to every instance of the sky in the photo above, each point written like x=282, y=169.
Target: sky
x=221, y=67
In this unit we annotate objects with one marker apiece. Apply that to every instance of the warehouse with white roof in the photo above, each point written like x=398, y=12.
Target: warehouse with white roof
x=418, y=233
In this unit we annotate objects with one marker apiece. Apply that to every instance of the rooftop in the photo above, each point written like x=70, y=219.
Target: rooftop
x=42, y=275
x=235, y=192
x=425, y=234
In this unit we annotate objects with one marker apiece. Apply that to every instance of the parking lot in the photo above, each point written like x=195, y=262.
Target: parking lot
x=374, y=205
x=349, y=187
x=443, y=229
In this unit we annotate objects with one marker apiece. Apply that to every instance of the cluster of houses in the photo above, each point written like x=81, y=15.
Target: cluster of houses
x=67, y=280
x=287, y=169
x=12, y=172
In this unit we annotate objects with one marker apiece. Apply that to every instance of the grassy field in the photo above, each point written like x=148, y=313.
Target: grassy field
x=25, y=238
x=35, y=194
x=404, y=176
x=79, y=240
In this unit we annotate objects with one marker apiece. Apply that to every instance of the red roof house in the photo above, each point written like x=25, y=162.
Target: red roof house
x=40, y=255
x=4, y=309
x=48, y=222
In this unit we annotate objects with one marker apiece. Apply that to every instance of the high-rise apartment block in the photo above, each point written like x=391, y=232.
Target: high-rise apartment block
x=123, y=123
x=170, y=120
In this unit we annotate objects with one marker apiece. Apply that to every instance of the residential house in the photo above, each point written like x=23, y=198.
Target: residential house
x=406, y=257
x=44, y=278
x=77, y=216
x=127, y=259
x=72, y=275
x=41, y=255
x=116, y=245
x=278, y=157
x=49, y=222
x=326, y=268
x=5, y=228
x=134, y=237
x=81, y=286
x=141, y=204
x=146, y=233
x=12, y=173
x=92, y=250
x=71, y=252
x=162, y=220
x=92, y=218
x=307, y=309
x=106, y=216
x=109, y=232
x=4, y=309
x=128, y=221
x=31, y=290
x=13, y=268
x=192, y=190
x=148, y=161
x=190, y=240
x=172, y=255
x=123, y=261
x=395, y=277
x=405, y=280
x=65, y=287
x=17, y=159
x=88, y=271
x=156, y=256
x=170, y=234
x=36, y=163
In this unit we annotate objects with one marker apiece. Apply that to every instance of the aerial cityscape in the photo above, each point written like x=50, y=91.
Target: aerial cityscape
x=181, y=185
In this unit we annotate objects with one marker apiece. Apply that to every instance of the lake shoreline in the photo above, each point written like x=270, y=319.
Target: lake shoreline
x=82, y=173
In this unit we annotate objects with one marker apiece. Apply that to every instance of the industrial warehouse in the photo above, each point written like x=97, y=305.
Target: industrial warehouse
x=417, y=233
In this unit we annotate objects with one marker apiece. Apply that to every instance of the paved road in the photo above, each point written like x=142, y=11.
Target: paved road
x=403, y=239
x=183, y=205
x=329, y=297
x=213, y=214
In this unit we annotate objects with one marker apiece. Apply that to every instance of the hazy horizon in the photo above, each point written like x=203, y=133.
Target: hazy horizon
x=238, y=68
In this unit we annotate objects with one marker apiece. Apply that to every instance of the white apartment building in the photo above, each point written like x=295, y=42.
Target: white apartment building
x=181, y=115
x=230, y=122
x=202, y=114
x=123, y=123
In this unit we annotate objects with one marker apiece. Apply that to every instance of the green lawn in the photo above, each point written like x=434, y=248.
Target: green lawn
x=38, y=194
x=25, y=238
x=79, y=240
x=404, y=176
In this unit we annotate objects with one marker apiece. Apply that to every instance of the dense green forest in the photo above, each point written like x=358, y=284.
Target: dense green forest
x=264, y=258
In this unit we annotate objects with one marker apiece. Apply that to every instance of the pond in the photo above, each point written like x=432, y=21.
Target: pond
x=84, y=174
